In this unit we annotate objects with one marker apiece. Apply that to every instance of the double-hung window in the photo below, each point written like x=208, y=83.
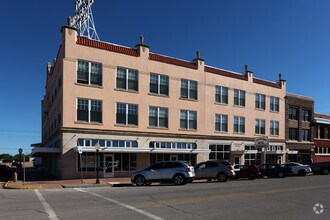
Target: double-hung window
x=260, y=101
x=293, y=134
x=239, y=124
x=274, y=104
x=221, y=123
x=305, y=135
x=239, y=97
x=127, y=79
x=293, y=113
x=189, y=89
x=158, y=117
x=221, y=95
x=260, y=126
x=89, y=73
x=89, y=110
x=305, y=115
x=127, y=114
x=274, y=128
x=188, y=120
x=159, y=84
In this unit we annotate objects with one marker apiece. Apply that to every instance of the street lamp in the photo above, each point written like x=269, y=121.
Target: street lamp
x=97, y=148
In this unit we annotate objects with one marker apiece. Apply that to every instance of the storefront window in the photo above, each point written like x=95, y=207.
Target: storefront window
x=219, y=152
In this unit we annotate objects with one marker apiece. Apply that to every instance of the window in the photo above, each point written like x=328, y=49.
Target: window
x=305, y=115
x=293, y=113
x=239, y=97
x=158, y=117
x=293, y=134
x=127, y=79
x=89, y=110
x=221, y=95
x=158, y=84
x=274, y=128
x=260, y=102
x=125, y=161
x=274, y=104
x=219, y=152
x=305, y=135
x=239, y=124
x=127, y=114
x=89, y=73
x=221, y=123
x=188, y=119
x=189, y=89
x=172, y=145
x=328, y=132
x=260, y=126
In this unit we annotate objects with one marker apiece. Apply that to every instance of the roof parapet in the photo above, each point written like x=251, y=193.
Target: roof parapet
x=200, y=63
x=142, y=49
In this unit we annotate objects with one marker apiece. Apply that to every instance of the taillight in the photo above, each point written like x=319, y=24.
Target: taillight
x=187, y=169
x=231, y=167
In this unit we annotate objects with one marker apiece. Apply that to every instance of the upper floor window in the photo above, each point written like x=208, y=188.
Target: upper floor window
x=274, y=128
x=260, y=101
x=239, y=97
x=188, y=119
x=158, y=84
x=127, y=114
x=221, y=123
x=274, y=104
x=158, y=117
x=328, y=132
x=260, y=126
x=293, y=134
x=305, y=135
x=293, y=113
x=89, y=73
x=221, y=95
x=189, y=89
x=127, y=79
x=89, y=110
x=305, y=115
x=320, y=132
x=239, y=124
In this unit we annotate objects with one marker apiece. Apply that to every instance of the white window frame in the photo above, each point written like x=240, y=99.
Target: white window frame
x=258, y=123
x=221, y=125
x=273, y=104
x=89, y=72
x=258, y=99
x=158, y=108
x=189, y=82
x=273, y=128
x=220, y=94
x=89, y=109
x=239, y=95
x=240, y=119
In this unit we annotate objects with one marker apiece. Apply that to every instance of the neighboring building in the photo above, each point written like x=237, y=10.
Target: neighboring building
x=321, y=138
x=299, y=112
x=142, y=107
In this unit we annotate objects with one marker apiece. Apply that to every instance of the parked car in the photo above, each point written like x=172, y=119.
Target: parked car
x=317, y=168
x=214, y=169
x=298, y=169
x=6, y=172
x=247, y=171
x=178, y=172
x=274, y=170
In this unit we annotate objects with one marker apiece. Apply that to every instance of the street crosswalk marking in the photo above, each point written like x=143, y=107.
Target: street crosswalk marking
x=124, y=205
x=48, y=209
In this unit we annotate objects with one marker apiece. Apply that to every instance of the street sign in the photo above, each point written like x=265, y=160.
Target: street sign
x=80, y=149
x=261, y=142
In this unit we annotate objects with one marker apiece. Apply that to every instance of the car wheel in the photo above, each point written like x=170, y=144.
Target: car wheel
x=140, y=180
x=302, y=173
x=222, y=177
x=252, y=176
x=179, y=179
x=280, y=175
x=325, y=171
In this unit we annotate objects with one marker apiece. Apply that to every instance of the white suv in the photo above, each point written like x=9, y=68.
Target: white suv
x=178, y=172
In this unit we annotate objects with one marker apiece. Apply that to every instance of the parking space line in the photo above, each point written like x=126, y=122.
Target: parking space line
x=48, y=209
x=124, y=205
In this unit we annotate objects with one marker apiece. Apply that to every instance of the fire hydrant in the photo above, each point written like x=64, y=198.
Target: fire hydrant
x=15, y=177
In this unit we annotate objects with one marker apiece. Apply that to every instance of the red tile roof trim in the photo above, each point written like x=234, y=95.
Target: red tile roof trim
x=106, y=46
x=266, y=83
x=173, y=61
x=316, y=115
x=224, y=73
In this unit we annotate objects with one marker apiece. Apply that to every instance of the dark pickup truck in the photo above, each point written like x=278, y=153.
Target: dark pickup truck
x=317, y=168
x=274, y=170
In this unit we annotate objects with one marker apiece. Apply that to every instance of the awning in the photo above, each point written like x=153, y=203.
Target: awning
x=38, y=151
x=143, y=150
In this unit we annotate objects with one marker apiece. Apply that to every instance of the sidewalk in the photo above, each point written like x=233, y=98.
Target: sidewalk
x=74, y=183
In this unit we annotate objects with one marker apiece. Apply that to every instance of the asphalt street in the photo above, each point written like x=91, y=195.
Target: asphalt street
x=289, y=198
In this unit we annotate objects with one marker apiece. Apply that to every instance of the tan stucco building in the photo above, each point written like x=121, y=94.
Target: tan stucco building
x=142, y=107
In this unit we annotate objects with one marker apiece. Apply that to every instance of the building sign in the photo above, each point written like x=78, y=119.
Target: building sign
x=261, y=142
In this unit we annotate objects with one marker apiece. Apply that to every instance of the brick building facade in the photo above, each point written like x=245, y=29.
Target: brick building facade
x=321, y=130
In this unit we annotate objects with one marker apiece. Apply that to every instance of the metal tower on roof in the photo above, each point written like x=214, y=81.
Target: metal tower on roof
x=83, y=19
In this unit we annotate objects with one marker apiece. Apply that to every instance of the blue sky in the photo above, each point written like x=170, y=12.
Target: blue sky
x=291, y=37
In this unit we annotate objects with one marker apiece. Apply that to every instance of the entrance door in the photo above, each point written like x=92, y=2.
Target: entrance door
x=237, y=161
x=108, y=165
x=173, y=157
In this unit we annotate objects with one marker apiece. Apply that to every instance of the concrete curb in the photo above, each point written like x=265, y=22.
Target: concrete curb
x=84, y=186
x=26, y=187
